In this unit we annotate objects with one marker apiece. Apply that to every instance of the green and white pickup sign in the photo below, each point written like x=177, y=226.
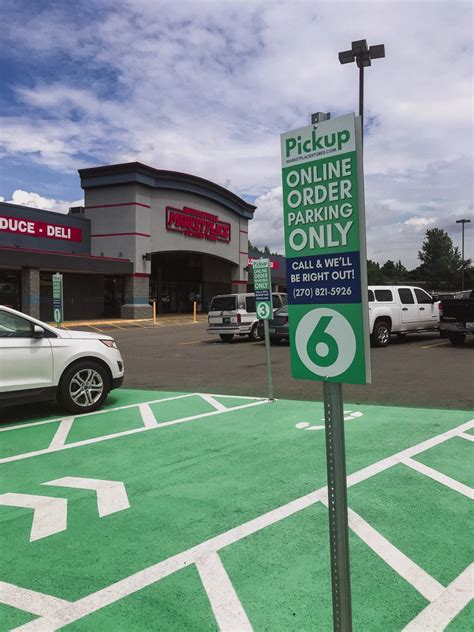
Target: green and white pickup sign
x=262, y=283
x=58, y=298
x=324, y=220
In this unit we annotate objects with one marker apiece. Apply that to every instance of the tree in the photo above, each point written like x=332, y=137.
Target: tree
x=375, y=275
x=394, y=273
x=441, y=262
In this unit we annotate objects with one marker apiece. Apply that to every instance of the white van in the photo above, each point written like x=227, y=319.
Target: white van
x=235, y=315
x=400, y=309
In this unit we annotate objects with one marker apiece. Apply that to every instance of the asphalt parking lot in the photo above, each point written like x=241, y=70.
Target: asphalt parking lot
x=422, y=370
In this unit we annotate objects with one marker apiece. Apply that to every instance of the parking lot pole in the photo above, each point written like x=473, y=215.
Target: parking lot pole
x=337, y=506
x=195, y=312
x=269, y=362
x=154, y=312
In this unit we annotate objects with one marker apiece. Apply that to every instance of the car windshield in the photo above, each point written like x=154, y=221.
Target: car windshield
x=283, y=311
x=223, y=304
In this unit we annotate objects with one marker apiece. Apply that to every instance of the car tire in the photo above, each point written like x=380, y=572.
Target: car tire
x=254, y=335
x=457, y=339
x=380, y=336
x=226, y=337
x=84, y=387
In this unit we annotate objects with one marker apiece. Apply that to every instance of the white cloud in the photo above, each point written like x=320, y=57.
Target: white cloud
x=419, y=222
x=34, y=200
x=207, y=87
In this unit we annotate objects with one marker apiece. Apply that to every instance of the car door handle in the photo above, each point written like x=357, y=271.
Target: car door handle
x=422, y=309
x=404, y=309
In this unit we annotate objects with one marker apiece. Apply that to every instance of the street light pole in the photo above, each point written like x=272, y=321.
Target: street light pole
x=362, y=55
x=462, y=222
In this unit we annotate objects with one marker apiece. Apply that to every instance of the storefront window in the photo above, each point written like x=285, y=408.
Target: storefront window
x=10, y=288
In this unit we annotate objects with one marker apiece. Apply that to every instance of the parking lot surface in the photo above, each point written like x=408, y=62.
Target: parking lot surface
x=173, y=511
x=422, y=370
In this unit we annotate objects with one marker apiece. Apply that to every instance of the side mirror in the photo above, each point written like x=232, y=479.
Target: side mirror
x=38, y=332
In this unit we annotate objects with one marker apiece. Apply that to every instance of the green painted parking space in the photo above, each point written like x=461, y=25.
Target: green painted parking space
x=291, y=590
x=453, y=458
x=178, y=602
x=93, y=426
x=203, y=480
x=418, y=515
x=22, y=440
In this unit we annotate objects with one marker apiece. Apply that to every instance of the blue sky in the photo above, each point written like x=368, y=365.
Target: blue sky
x=207, y=87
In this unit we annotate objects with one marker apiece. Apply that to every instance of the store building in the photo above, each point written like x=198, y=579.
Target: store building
x=143, y=234
x=34, y=244
x=187, y=237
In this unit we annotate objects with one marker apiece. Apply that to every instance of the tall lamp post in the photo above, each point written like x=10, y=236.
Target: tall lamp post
x=462, y=222
x=362, y=55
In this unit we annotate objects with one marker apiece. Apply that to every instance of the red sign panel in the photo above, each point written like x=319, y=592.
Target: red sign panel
x=39, y=229
x=274, y=264
x=197, y=224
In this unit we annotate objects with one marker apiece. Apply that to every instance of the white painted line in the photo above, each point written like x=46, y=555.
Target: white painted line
x=111, y=495
x=426, y=585
x=439, y=477
x=30, y=600
x=124, y=433
x=50, y=514
x=146, y=577
x=62, y=432
x=213, y=402
x=19, y=426
x=254, y=399
x=466, y=435
x=148, y=417
x=225, y=603
x=438, y=614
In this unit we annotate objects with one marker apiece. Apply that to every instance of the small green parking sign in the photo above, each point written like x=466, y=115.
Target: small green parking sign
x=323, y=202
x=263, y=288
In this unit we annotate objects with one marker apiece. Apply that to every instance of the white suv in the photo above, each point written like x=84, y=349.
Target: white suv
x=39, y=362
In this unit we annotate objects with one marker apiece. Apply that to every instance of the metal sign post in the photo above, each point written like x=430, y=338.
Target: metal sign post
x=264, y=307
x=58, y=309
x=324, y=220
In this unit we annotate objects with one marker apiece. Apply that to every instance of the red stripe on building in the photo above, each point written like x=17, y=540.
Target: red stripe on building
x=64, y=254
x=245, y=232
x=244, y=253
x=121, y=235
x=140, y=274
x=240, y=282
x=122, y=204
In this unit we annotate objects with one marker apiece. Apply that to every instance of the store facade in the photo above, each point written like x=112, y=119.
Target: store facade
x=34, y=244
x=143, y=235
x=186, y=236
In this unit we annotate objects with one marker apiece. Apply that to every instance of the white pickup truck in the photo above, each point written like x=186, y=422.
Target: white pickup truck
x=400, y=309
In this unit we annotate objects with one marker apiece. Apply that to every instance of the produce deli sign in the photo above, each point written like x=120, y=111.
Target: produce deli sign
x=34, y=228
x=197, y=224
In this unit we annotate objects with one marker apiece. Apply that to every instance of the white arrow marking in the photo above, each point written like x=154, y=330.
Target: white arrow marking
x=111, y=495
x=50, y=514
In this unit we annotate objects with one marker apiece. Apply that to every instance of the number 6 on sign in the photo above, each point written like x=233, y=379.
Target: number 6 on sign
x=325, y=342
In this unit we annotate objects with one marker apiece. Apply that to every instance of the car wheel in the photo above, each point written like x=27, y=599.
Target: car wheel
x=381, y=334
x=457, y=339
x=254, y=335
x=84, y=387
x=226, y=337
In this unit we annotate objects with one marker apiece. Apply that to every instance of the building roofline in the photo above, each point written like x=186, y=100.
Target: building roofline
x=140, y=173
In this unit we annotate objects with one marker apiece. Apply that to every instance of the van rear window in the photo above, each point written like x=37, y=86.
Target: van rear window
x=223, y=304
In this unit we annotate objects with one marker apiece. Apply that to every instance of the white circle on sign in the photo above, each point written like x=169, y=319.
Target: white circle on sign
x=339, y=329
x=263, y=311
